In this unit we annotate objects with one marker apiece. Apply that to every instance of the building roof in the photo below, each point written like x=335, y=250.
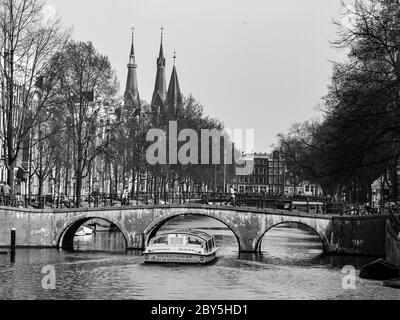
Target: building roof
x=174, y=96
x=160, y=86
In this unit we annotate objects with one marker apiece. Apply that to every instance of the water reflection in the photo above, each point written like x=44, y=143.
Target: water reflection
x=99, y=235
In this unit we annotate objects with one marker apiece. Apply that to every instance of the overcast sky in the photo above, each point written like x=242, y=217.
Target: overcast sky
x=254, y=64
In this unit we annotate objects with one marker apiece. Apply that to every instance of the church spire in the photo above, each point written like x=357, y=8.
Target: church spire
x=174, y=96
x=131, y=96
x=160, y=88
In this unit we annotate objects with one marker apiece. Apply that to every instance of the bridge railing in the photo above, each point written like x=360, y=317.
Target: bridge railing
x=100, y=200
x=261, y=201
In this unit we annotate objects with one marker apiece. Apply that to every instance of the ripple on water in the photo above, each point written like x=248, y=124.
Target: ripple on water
x=291, y=267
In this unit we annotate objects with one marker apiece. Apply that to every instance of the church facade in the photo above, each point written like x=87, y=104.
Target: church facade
x=165, y=102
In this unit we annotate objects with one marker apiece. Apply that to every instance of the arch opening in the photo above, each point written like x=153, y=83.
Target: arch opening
x=292, y=241
x=93, y=234
x=226, y=238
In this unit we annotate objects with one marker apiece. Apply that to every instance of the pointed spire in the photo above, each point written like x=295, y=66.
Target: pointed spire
x=133, y=41
x=174, y=96
x=160, y=88
x=131, y=96
x=161, y=60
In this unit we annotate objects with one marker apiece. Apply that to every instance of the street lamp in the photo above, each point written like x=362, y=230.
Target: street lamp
x=74, y=185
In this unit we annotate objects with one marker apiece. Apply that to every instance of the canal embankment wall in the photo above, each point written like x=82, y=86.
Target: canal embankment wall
x=35, y=228
x=358, y=235
x=392, y=237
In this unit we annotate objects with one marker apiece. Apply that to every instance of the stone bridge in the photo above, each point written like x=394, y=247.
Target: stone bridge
x=138, y=224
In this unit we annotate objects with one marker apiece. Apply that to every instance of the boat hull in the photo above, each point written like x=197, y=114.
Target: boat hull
x=178, y=258
x=394, y=283
x=379, y=270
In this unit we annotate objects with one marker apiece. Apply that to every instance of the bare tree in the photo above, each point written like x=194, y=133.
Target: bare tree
x=89, y=88
x=28, y=41
x=47, y=154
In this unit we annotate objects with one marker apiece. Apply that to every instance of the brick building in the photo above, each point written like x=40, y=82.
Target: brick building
x=270, y=176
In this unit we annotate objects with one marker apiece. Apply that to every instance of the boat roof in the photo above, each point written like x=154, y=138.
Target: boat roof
x=203, y=235
x=310, y=202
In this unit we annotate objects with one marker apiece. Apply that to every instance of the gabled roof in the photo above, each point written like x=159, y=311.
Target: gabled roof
x=158, y=101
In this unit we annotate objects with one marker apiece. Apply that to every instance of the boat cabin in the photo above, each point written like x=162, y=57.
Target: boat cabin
x=187, y=238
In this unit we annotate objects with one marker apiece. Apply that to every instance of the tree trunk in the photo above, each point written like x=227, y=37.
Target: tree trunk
x=10, y=177
x=133, y=182
x=40, y=192
x=78, y=187
x=394, y=180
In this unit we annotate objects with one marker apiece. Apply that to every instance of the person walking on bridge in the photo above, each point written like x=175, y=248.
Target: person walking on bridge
x=232, y=198
x=126, y=197
x=5, y=191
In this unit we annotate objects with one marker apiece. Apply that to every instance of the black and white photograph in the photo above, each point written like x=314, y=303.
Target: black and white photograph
x=180, y=150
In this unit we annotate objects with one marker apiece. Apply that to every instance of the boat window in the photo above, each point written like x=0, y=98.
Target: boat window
x=176, y=240
x=210, y=246
x=194, y=240
x=207, y=247
x=161, y=240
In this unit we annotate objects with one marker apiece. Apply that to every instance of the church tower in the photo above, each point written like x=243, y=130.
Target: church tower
x=174, y=95
x=131, y=96
x=160, y=89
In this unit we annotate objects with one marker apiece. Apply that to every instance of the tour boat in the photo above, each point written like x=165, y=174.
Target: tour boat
x=181, y=246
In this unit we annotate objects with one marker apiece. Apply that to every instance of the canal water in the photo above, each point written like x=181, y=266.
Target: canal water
x=291, y=267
